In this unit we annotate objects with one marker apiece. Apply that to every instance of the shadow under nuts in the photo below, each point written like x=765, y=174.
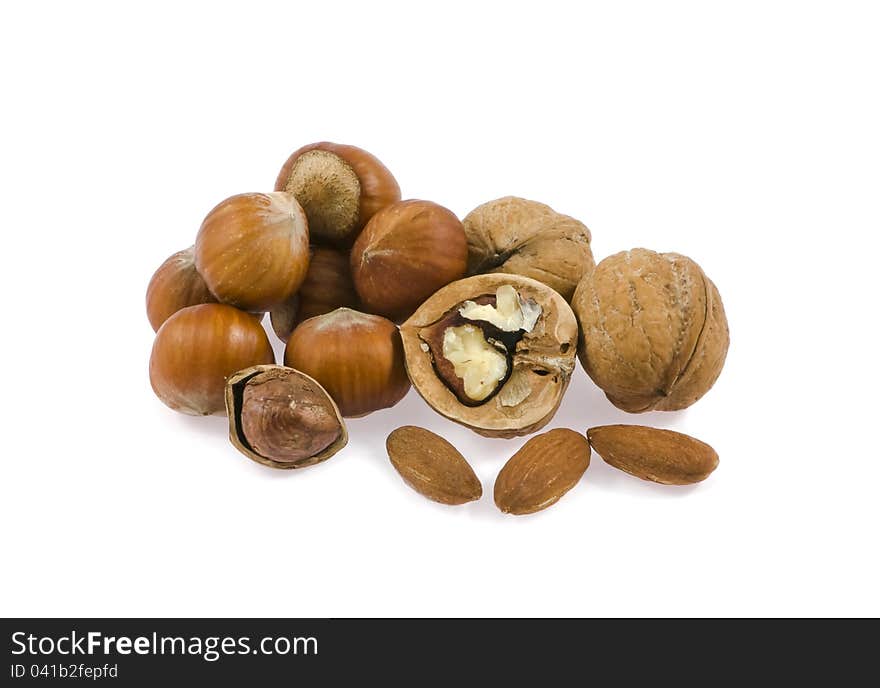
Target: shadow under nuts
x=340, y=188
x=253, y=250
x=197, y=349
x=432, y=466
x=282, y=418
x=357, y=358
x=661, y=456
x=542, y=471
x=653, y=331
x=174, y=286
x=406, y=253
x=521, y=237
x=327, y=286
x=492, y=352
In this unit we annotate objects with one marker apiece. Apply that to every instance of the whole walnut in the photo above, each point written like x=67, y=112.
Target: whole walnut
x=520, y=237
x=653, y=334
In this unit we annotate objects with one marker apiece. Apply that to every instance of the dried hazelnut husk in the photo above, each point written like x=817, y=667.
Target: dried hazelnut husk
x=653, y=331
x=492, y=352
x=405, y=253
x=253, y=250
x=282, y=418
x=175, y=285
x=197, y=349
x=522, y=237
x=340, y=188
x=356, y=357
x=328, y=286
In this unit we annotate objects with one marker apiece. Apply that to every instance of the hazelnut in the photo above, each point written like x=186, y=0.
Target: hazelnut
x=197, y=349
x=653, y=331
x=175, y=285
x=521, y=237
x=340, y=188
x=328, y=286
x=406, y=253
x=253, y=250
x=282, y=418
x=493, y=352
x=357, y=358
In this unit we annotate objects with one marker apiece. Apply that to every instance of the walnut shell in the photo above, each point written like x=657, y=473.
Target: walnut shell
x=540, y=360
x=653, y=331
x=521, y=237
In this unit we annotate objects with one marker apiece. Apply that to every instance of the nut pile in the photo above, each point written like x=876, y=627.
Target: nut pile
x=485, y=317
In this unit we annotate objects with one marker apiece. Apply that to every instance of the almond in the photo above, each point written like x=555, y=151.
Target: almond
x=544, y=469
x=662, y=456
x=432, y=466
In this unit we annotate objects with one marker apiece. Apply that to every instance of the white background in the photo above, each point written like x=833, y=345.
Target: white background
x=744, y=135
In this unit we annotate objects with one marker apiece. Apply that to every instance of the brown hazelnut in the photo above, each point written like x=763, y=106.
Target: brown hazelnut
x=253, y=250
x=521, y=237
x=197, y=349
x=357, y=358
x=328, y=286
x=653, y=331
x=340, y=187
x=406, y=253
x=492, y=352
x=282, y=418
x=175, y=285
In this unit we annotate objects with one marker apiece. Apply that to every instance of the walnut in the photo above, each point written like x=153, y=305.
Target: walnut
x=492, y=352
x=520, y=237
x=653, y=331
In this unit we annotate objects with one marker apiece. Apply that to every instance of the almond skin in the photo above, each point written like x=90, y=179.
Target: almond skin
x=661, y=456
x=544, y=469
x=432, y=466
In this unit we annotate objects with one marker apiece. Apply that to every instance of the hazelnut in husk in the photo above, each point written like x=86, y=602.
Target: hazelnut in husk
x=175, y=285
x=253, y=250
x=356, y=357
x=492, y=352
x=653, y=330
x=328, y=286
x=282, y=418
x=522, y=237
x=340, y=188
x=197, y=349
